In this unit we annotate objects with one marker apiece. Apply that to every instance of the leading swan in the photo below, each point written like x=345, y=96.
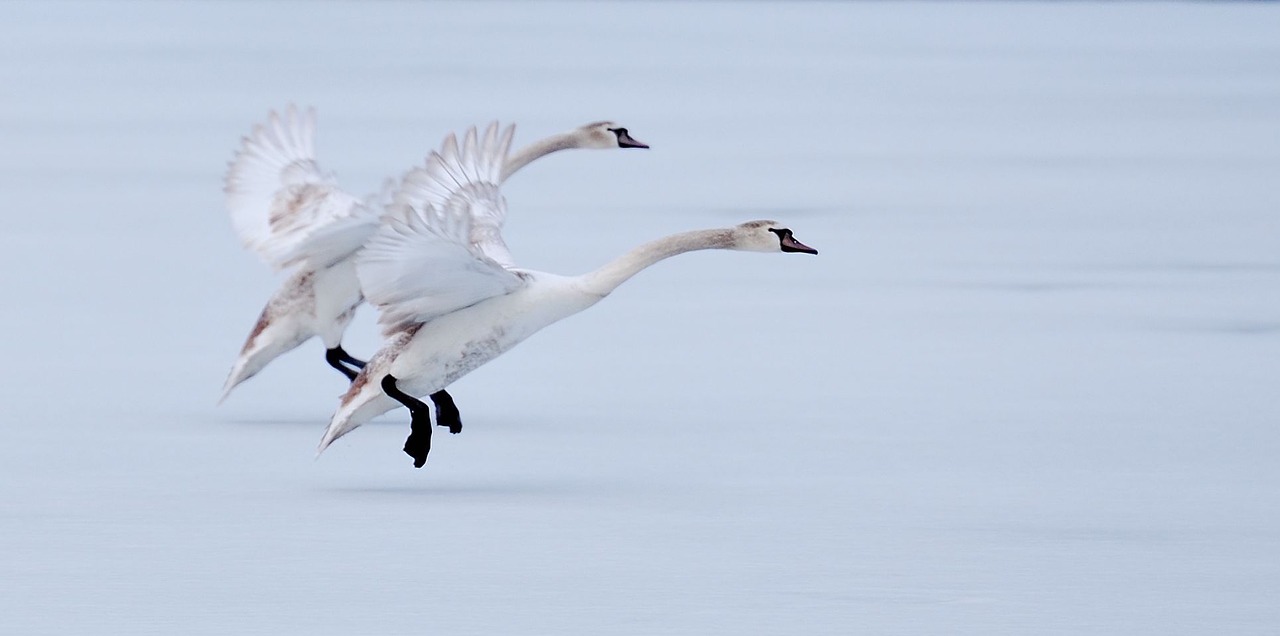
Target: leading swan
x=294, y=215
x=449, y=298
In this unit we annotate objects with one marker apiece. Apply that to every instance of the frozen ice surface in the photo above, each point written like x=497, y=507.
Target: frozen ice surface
x=1028, y=387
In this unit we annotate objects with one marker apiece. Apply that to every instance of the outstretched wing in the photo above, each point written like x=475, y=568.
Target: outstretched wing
x=440, y=247
x=450, y=177
x=283, y=207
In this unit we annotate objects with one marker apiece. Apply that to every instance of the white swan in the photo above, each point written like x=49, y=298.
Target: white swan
x=450, y=302
x=295, y=216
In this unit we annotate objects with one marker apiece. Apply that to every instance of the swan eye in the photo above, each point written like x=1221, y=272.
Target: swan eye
x=784, y=237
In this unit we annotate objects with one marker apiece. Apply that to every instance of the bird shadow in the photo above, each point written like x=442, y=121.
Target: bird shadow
x=437, y=489
x=320, y=422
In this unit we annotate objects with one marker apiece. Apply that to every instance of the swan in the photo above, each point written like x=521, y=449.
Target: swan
x=448, y=303
x=294, y=215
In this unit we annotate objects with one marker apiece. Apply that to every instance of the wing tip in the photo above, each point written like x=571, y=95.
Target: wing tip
x=272, y=146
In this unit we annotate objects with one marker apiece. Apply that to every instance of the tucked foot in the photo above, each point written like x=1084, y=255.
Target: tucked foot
x=349, y=359
x=447, y=412
x=335, y=358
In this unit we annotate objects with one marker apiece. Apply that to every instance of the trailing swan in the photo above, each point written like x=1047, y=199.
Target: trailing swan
x=294, y=216
x=449, y=298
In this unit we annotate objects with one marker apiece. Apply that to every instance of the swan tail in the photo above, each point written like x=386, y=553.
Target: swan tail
x=363, y=401
x=244, y=369
x=270, y=338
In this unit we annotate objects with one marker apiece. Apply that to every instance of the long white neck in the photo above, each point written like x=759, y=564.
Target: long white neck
x=562, y=141
x=607, y=278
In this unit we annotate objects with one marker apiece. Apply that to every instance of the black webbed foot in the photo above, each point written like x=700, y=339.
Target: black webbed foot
x=418, y=444
x=447, y=412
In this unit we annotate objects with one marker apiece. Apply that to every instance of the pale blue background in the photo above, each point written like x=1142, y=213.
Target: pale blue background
x=1028, y=387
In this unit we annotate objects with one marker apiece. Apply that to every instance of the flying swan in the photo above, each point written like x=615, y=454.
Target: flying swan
x=450, y=298
x=294, y=215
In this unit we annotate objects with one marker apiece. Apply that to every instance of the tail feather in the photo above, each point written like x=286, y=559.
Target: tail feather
x=363, y=401
x=271, y=337
x=233, y=380
x=249, y=364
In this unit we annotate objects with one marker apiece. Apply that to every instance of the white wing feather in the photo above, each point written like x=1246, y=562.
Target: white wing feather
x=440, y=247
x=448, y=175
x=283, y=207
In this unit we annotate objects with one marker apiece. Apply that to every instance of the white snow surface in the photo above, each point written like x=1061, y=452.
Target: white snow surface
x=1029, y=386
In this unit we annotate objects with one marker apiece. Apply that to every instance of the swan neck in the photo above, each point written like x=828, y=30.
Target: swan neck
x=537, y=149
x=607, y=278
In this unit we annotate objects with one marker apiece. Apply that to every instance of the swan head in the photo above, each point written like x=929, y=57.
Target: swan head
x=606, y=135
x=766, y=236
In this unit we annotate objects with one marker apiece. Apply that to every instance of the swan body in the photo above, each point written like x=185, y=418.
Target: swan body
x=309, y=303
x=428, y=357
x=449, y=304
x=286, y=209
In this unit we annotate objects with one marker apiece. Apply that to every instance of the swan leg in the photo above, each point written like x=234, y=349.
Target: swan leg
x=336, y=356
x=348, y=358
x=447, y=412
x=418, y=445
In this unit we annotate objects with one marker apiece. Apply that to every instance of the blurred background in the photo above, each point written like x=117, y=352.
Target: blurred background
x=1028, y=385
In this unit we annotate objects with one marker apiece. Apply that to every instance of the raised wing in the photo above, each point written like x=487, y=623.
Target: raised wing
x=440, y=247
x=450, y=177
x=283, y=207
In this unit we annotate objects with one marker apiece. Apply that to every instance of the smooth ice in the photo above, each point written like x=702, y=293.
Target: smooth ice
x=1029, y=386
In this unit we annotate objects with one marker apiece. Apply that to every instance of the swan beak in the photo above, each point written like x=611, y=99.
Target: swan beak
x=625, y=140
x=790, y=244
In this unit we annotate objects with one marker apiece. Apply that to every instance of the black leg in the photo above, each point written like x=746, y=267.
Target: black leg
x=334, y=358
x=447, y=412
x=348, y=358
x=418, y=445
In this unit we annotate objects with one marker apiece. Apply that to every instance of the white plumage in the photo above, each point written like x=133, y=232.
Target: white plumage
x=448, y=306
x=283, y=206
x=445, y=221
x=290, y=212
